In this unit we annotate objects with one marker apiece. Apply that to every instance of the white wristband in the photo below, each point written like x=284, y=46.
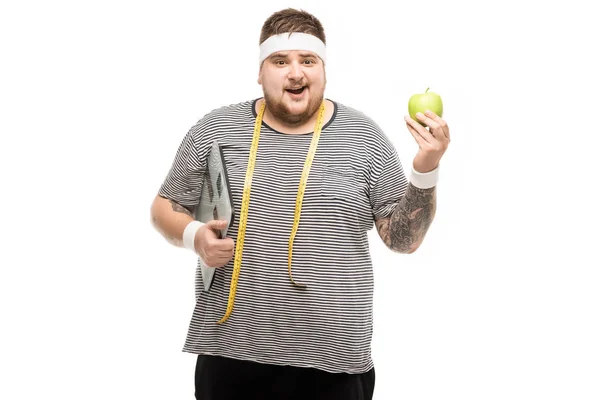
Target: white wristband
x=189, y=234
x=425, y=180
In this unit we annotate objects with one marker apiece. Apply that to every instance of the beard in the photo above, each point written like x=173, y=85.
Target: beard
x=279, y=110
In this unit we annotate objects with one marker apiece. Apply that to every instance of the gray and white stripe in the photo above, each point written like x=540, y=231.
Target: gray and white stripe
x=356, y=176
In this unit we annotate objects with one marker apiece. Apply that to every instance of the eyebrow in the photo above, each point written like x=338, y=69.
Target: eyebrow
x=284, y=54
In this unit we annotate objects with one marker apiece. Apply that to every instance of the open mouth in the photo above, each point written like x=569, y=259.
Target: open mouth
x=296, y=91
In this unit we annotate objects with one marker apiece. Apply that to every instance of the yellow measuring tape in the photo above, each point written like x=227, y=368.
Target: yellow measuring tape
x=239, y=246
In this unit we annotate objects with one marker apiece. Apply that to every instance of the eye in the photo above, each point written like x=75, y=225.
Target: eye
x=279, y=62
x=309, y=61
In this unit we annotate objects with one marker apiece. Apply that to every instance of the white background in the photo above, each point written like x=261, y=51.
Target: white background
x=500, y=302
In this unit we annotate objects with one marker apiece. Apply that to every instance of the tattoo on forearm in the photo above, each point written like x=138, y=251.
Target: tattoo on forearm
x=179, y=208
x=406, y=228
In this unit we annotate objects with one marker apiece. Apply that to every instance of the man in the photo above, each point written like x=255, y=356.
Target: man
x=309, y=177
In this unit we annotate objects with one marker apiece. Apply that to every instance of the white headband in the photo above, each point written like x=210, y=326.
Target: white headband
x=295, y=41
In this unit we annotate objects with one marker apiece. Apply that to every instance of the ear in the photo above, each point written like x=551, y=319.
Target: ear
x=259, y=80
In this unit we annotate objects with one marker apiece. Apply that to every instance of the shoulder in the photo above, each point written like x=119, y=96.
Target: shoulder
x=220, y=119
x=233, y=112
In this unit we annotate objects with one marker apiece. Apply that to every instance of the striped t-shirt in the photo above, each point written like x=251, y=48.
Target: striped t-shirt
x=356, y=176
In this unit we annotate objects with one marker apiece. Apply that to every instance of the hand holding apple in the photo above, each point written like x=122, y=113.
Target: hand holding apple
x=425, y=101
x=432, y=142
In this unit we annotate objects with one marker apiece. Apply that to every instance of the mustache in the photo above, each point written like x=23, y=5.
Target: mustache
x=297, y=85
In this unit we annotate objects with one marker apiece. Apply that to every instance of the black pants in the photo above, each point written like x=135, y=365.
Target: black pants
x=219, y=378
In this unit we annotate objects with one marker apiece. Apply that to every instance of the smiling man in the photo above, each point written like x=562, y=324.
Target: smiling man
x=293, y=81
x=290, y=311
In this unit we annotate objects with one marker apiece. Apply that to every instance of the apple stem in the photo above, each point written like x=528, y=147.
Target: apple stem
x=426, y=90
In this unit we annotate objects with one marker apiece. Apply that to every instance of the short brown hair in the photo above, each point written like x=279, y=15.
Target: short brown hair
x=292, y=20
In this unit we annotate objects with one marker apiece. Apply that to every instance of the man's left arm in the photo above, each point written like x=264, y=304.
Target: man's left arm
x=404, y=230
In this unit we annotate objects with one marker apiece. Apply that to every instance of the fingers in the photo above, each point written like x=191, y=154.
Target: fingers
x=435, y=123
x=216, y=224
x=415, y=127
x=420, y=141
x=223, y=259
x=434, y=127
x=221, y=253
x=221, y=249
x=215, y=252
x=215, y=258
x=222, y=244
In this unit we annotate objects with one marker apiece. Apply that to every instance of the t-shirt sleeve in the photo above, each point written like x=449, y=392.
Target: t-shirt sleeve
x=183, y=182
x=388, y=185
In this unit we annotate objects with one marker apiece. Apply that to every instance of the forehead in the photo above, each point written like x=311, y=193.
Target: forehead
x=293, y=53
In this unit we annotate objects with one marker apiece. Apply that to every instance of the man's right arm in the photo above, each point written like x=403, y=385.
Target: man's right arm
x=170, y=219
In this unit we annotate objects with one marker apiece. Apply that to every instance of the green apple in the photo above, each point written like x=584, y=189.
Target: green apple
x=425, y=101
